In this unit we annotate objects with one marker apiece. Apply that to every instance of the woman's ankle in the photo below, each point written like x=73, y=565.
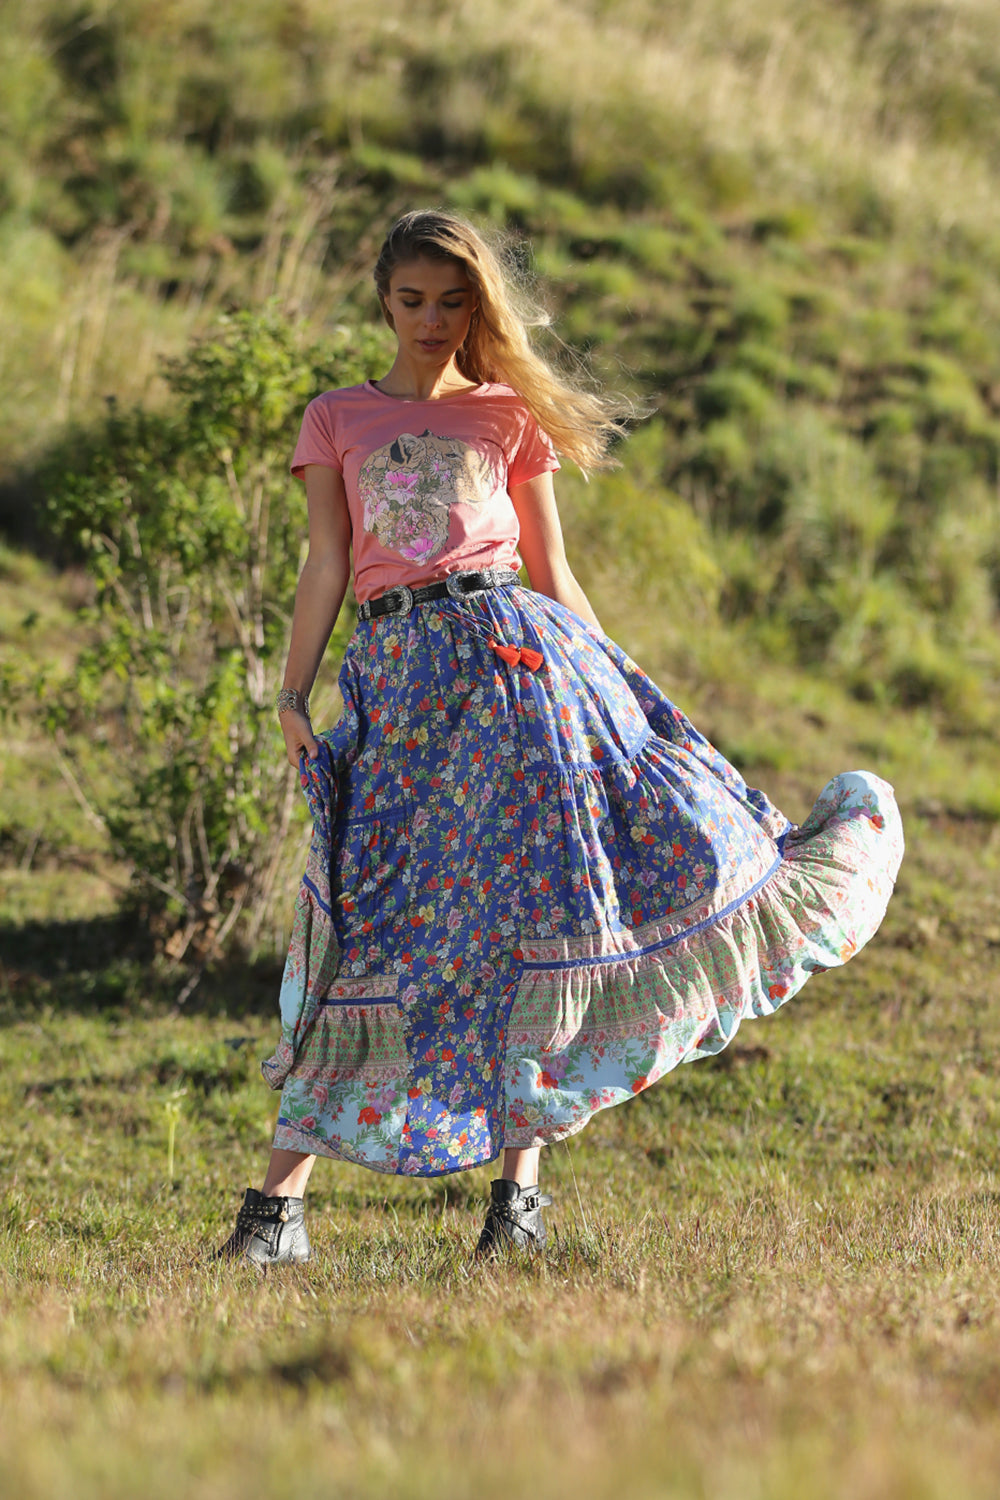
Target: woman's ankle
x=521, y=1165
x=287, y=1174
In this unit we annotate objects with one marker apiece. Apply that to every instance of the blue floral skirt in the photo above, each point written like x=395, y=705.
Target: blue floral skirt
x=534, y=888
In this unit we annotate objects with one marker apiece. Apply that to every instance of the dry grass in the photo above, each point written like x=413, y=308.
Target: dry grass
x=778, y=1277
x=773, y=1367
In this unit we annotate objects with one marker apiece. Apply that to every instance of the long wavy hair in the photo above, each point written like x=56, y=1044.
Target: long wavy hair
x=580, y=422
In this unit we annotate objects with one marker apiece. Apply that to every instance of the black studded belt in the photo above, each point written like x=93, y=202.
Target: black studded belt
x=400, y=601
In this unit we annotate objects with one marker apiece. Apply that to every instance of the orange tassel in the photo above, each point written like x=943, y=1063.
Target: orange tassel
x=510, y=654
x=513, y=654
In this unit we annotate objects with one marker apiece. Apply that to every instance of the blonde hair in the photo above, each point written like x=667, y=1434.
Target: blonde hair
x=581, y=423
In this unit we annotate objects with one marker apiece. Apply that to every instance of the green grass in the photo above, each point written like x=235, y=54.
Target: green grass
x=777, y=223
x=773, y=1274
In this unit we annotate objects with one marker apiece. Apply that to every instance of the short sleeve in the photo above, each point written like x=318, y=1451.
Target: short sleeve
x=533, y=455
x=317, y=441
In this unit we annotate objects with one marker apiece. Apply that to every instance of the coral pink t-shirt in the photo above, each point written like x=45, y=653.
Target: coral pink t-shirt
x=427, y=481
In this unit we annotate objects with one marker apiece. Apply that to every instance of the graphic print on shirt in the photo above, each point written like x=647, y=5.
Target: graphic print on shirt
x=409, y=487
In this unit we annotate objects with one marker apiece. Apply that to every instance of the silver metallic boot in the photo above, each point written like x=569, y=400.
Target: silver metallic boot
x=269, y=1232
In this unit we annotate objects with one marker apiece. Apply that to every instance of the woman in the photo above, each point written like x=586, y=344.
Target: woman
x=534, y=887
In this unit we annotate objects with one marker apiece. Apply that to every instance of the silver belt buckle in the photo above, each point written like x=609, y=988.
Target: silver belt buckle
x=402, y=599
x=455, y=584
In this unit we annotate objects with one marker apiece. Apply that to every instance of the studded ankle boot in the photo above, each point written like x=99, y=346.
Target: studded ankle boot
x=269, y=1232
x=513, y=1219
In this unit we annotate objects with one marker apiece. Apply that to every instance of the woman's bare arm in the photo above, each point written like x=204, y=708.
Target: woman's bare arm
x=542, y=547
x=318, y=597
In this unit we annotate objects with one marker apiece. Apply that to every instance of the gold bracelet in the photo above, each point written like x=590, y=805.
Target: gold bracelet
x=290, y=700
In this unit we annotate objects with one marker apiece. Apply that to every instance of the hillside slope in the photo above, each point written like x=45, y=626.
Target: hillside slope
x=778, y=225
x=782, y=222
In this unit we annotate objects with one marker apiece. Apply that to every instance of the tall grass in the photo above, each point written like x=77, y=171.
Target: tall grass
x=188, y=154
x=776, y=223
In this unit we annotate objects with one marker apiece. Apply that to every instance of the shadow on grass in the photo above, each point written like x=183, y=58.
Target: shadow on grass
x=108, y=964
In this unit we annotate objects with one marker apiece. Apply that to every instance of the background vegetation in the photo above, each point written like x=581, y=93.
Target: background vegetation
x=779, y=225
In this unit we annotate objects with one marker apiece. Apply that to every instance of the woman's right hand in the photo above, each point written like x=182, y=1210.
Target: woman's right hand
x=298, y=736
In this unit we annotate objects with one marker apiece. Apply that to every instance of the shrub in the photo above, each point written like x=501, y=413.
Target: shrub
x=193, y=533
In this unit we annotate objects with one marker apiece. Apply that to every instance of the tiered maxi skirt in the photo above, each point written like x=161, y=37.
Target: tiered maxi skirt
x=534, y=889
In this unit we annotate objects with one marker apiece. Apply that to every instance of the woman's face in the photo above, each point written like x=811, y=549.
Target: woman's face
x=430, y=303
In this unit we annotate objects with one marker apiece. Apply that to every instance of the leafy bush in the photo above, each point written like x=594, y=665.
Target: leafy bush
x=193, y=533
x=727, y=205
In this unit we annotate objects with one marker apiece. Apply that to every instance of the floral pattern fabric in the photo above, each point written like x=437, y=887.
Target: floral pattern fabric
x=534, y=888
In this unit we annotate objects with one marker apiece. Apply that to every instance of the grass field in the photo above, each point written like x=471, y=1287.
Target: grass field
x=774, y=1275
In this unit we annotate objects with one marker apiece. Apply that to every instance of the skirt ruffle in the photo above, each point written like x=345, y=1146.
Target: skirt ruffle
x=534, y=889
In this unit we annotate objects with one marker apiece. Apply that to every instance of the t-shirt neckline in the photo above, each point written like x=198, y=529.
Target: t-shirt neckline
x=473, y=390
